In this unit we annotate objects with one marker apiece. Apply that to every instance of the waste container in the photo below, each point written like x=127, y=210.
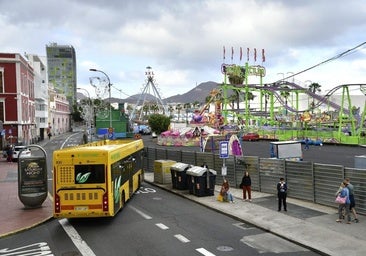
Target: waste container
x=162, y=171
x=201, y=181
x=32, y=178
x=179, y=175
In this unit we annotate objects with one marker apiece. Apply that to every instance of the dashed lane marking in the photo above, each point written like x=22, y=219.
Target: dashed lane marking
x=144, y=215
x=204, y=252
x=182, y=238
x=162, y=226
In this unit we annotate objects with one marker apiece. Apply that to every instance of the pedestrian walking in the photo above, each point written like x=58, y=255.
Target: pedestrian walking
x=307, y=142
x=246, y=186
x=352, y=205
x=9, y=153
x=344, y=193
x=282, y=194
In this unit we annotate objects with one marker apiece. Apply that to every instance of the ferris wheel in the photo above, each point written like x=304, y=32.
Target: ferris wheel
x=149, y=100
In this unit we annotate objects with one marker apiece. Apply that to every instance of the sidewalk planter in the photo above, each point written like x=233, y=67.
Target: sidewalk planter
x=162, y=171
x=201, y=181
x=179, y=175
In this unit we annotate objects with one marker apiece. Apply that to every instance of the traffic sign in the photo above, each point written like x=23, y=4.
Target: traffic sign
x=224, y=149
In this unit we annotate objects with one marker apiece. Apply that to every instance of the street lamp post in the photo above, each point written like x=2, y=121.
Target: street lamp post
x=91, y=111
x=283, y=76
x=109, y=91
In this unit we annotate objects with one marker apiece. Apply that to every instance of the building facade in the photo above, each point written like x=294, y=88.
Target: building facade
x=39, y=65
x=61, y=63
x=17, y=101
x=59, y=114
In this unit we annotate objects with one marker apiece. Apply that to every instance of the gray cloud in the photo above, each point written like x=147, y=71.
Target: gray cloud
x=183, y=37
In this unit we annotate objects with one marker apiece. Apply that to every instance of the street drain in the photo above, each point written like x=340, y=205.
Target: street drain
x=224, y=248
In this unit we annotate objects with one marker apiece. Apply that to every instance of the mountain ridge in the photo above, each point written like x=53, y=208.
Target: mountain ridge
x=197, y=94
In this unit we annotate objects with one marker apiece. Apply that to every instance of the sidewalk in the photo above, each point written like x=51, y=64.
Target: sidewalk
x=14, y=216
x=308, y=224
x=311, y=225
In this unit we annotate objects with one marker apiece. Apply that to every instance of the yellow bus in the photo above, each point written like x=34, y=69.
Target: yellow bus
x=96, y=179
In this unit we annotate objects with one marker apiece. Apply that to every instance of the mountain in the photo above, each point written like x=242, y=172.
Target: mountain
x=199, y=93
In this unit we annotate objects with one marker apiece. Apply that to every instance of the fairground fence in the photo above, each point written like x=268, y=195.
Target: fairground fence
x=308, y=181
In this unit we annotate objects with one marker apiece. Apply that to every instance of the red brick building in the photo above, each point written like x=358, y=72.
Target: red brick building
x=17, y=108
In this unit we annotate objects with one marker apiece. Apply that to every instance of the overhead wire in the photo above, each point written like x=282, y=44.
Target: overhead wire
x=343, y=54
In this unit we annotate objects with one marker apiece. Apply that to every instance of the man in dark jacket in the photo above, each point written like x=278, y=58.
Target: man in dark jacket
x=281, y=194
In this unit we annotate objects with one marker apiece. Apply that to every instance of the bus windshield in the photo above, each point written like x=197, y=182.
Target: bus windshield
x=89, y=174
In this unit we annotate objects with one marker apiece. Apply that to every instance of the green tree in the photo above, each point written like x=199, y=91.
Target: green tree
x=314, y=88
x=129, y=108
x=159, y=123
x=178, y=107
x=170, y=110
x=285, y=94
x=76, y=113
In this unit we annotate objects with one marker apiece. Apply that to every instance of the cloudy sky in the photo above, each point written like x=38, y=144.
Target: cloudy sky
x=183, y=40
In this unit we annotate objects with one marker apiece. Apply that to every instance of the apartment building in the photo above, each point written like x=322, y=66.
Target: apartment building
x=17, y=101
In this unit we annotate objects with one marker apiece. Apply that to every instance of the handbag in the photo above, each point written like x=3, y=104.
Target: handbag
x=340, y=200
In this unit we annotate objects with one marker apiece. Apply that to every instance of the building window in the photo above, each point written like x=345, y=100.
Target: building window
x=2, y=111
x=1, y=80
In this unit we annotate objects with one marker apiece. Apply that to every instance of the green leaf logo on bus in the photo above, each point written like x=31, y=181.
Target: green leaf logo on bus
x=117, y=184
x=82, y=178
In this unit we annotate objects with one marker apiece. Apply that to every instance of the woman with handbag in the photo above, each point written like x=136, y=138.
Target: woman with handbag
x=245, y=185
x=344, y=203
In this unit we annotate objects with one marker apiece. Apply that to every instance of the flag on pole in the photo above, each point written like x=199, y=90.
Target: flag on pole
x=241, y=53
x=255, y=54
x=232, y=53
x=263, y=57
x=247, y=54
x=224, y=52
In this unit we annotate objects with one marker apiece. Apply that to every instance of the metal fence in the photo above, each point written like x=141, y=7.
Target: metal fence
x=306, y=180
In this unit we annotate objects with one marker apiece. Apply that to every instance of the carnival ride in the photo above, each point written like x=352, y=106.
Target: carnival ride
x=204, y=117
x=322, y=118
x=146, y=104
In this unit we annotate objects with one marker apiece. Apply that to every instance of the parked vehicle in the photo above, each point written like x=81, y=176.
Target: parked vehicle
x=251, y=136
x=289, y=150
x=25, y=152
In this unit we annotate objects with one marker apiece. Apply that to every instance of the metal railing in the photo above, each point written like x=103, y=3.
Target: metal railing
x=306, y=180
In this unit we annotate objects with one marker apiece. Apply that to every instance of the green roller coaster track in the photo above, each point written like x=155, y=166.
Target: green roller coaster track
x=343, y=124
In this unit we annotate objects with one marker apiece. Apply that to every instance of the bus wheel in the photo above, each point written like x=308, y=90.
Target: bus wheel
x=123, y=198
x=139, y=183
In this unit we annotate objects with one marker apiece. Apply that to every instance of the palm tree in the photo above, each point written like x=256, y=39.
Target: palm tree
x=154, y=108
x=187, y=106
x=129, y=108
x=145, y=109
x=285, y=94
x=170, y=109
x=314, y=88
x=234, y=98
x=178, y=107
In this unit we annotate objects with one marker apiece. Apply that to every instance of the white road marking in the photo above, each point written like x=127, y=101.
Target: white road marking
x=162, y=226
x=182, y=238
x=204, y=252
x=144, y=215
x=76, y=238
x=242, y=225
x=269, y=243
